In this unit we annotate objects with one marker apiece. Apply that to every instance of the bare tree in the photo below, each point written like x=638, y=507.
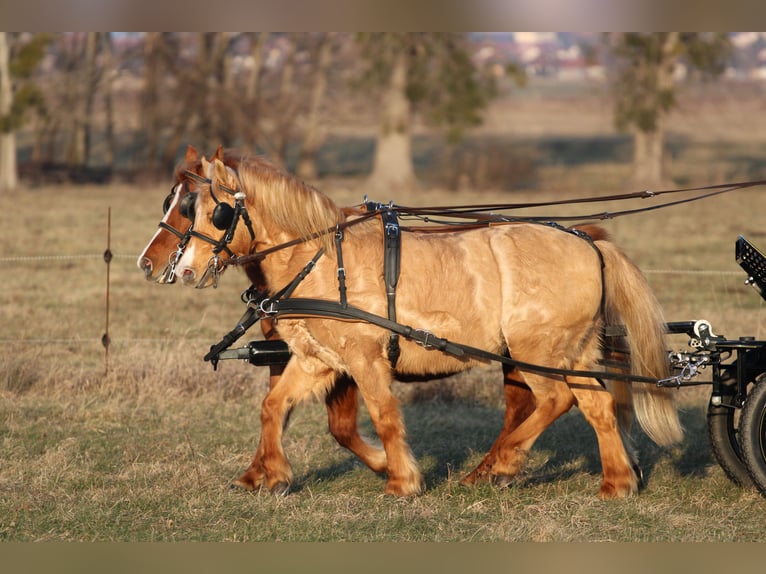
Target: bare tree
x=8, y=168
x=107, y=78
x=312, y=139
x=80, y=93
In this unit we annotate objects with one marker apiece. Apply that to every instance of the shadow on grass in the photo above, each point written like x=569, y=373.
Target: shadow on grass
x=449, y=438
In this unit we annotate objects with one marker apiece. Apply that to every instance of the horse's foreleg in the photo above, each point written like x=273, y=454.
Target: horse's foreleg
x=297, y=381
x=252, y=478
x=342, y=409
x=374, y=382
x=620, y=471
x=519, y=404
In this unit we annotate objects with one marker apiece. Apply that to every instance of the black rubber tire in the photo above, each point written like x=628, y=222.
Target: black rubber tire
x=752, y=435
x=723, y=432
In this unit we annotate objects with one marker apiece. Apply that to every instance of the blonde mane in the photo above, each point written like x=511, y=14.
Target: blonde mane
x=293, y=205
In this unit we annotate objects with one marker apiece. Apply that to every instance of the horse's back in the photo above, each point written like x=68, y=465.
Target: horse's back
x=502, y=282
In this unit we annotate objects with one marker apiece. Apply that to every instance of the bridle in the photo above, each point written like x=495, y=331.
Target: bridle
x=168, y=274
x=225, y=217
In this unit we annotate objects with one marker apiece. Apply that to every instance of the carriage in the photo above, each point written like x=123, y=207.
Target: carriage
x=536, y=391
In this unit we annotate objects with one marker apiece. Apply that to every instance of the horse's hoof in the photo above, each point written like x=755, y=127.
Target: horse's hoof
x=476, y=476
x=280, y=489
x=502, y=480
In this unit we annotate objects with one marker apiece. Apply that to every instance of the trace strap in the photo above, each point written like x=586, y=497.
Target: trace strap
x=321, y=308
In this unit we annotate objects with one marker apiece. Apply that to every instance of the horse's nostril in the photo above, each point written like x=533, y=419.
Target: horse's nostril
x=145, y=264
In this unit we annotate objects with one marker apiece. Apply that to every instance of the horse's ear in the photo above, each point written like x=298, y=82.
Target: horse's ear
x=192, y=155
x=220, y=171
x=218, y=153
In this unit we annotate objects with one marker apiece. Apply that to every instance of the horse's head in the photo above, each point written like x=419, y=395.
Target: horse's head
x=222, y=226
x=159, y=257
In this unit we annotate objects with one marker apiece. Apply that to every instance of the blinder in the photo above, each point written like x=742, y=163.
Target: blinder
x=223, y=214
x=188, y=205
x=168, y=200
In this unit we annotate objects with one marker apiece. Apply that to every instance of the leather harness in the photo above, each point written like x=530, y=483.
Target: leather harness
x=282, y=305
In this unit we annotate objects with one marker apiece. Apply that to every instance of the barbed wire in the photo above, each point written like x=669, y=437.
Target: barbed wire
x=100, y=256
x=691, y=272
x=23, y=258
x=98, y=340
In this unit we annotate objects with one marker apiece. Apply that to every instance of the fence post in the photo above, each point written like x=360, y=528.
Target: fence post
x=108, y=259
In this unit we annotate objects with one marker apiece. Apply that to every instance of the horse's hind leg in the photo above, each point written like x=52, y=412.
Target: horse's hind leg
x=519, y=404
x=598, y=407
x=342, y=409
x=552, y=399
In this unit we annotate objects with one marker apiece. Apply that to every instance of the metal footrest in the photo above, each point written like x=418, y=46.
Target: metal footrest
x=750, y=258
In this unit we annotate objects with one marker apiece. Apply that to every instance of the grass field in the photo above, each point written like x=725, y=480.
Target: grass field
x=145, y=450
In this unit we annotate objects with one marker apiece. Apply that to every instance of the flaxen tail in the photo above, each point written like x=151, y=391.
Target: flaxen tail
x=630, y=301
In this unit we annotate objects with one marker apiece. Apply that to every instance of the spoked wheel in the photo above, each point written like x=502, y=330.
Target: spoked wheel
x=723, y=424
x=752, y=434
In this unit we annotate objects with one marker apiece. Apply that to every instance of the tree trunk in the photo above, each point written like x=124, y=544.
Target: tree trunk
x=286, y=106
x=256, y=53
x=649, y=145
x=91, y=87
x=648, y=158
x=307, y=168
x=249, y=123
x=108, y=77
x=150, y=97
x=393, y=166
x=8, y=168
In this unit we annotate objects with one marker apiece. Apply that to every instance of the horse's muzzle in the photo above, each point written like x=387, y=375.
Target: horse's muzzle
x=188, y=276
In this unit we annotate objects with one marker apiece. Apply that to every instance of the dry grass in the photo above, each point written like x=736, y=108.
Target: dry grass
x=145, y=452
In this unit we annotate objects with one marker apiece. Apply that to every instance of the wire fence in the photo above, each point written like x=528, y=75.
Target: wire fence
x=126, y=256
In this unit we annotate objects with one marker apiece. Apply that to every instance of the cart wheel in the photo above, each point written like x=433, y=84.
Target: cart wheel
x=752, y=435
x=723, y=431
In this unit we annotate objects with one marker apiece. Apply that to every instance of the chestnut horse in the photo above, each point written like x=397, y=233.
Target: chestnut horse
x=538, y=292
x=166, y=247
x=158, y=260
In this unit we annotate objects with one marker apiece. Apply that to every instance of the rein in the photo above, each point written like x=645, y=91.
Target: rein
x=281, y=305
x=479, y=218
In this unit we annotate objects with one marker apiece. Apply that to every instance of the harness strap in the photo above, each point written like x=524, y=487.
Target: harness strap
x=266, y=305
x=321, y=308
x=341, y=267
x=392, y=255
x=184, y=237
x=220, y=245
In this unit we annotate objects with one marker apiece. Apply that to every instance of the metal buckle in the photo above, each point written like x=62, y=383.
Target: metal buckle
x=425, y=336
x=266, y=307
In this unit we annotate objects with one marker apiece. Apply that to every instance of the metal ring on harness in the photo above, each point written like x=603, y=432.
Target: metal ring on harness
x=214, y=267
